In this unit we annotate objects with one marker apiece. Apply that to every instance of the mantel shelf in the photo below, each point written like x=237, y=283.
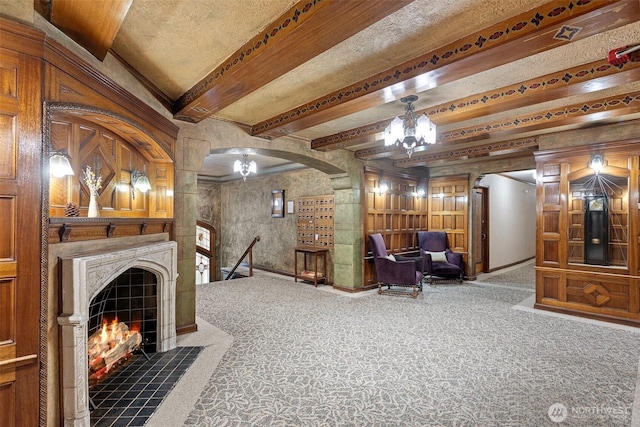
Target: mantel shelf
x=71, y=229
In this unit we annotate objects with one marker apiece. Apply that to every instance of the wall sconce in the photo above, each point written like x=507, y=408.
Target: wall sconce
x=596, y=163
x=384, y=187
x=421, y=192
x=140, y=182
x=59, y=165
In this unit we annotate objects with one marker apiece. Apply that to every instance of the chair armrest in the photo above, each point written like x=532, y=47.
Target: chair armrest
x=454, y=258
x=416, y=259
x=427, y=262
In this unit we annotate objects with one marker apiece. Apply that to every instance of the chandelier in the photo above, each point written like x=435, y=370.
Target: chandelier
x=410, y=130
x=245, y=167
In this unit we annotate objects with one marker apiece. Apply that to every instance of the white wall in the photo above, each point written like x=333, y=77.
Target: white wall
x=512, y=220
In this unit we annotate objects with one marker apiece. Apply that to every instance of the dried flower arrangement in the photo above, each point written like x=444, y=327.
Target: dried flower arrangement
x=93, y=181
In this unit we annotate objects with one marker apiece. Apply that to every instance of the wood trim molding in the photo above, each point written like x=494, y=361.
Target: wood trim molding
x=75, y=229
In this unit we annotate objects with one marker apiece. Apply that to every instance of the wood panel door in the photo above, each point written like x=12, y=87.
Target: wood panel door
x=20, y=240
x=481, y=229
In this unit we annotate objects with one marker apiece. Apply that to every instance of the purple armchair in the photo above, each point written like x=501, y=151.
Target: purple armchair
x=438, y=260
x=393, y=272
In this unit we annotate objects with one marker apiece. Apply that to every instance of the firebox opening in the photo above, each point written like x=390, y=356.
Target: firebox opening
x=131, y=299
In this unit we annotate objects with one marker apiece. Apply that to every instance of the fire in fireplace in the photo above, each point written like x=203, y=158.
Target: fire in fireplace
x=110, y=346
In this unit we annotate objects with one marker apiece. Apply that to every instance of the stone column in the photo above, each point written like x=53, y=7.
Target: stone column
x=189, y=155
x=348, y=231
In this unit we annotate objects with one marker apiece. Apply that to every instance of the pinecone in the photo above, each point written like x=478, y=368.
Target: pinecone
x=71, y=209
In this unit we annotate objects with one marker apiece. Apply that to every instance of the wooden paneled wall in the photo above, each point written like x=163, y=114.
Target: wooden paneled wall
x=398, y=214
x=449, y=210
x=21, y=299
x=563, y=281
x=89, y=144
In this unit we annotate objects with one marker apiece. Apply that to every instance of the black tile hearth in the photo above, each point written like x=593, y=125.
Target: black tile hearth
x=131, y=395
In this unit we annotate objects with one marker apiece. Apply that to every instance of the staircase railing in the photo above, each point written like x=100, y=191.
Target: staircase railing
x=249, y=251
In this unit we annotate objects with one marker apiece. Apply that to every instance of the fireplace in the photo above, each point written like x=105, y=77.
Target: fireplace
x=88, y=281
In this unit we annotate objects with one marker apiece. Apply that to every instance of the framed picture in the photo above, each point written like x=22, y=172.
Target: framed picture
x=277, y=203
x=290, y=206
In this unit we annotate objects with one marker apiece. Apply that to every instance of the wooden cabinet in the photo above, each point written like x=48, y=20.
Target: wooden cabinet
x=588, y=232
x=315, y=221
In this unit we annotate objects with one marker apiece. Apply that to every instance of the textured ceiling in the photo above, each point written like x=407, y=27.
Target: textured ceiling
x=331, y=73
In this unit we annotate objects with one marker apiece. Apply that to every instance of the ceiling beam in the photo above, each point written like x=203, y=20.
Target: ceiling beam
x=296, y=37
x=533, y=31
x=92, y=24
x=591, y=77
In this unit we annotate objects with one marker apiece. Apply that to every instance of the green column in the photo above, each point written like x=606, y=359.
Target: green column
x=348, y=233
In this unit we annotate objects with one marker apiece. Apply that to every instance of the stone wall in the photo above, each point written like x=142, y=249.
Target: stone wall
x=241, y=210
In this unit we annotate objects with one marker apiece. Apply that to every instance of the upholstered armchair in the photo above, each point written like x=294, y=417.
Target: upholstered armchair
x=392, y=272
x=438, y=260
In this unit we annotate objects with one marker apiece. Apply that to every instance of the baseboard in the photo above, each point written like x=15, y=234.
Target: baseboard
x=510, y=265
x=354, y=290
x=187, y=329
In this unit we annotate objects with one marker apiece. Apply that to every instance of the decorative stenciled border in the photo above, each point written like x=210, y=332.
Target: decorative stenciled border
x=476, y=151
x=631, y=100
x=259, y=42
x=586, y=72
x=488, y=38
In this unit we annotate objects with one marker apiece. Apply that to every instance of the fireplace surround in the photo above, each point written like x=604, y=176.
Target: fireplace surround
x=83, y=277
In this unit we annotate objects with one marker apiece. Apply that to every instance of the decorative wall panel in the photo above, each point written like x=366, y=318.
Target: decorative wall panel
x=448, y=210
x=569, y=278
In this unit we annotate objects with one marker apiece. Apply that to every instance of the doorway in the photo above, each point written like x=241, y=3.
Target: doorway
x=481, y=229
x=205, y=253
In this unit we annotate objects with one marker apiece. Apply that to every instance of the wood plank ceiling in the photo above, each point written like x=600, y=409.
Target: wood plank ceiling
x=491, y=74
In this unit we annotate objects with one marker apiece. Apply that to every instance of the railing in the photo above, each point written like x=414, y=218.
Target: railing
x=248, y=251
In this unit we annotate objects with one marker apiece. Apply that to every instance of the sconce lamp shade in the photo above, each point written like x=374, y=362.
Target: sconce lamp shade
x=596, y=163
x=59, y=165
x=140, y=181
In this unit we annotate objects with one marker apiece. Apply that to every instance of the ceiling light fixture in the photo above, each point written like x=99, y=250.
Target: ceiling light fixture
x=410, y=130
x=245, y=167
x=59, y=165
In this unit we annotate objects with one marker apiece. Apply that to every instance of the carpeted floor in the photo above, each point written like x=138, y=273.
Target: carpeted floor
x=459, y=355
x=522, y=276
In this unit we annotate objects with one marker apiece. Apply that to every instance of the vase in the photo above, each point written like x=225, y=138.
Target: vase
x=93, y=207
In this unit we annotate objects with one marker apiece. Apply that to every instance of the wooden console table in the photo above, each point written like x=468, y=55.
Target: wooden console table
x=311, y=276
